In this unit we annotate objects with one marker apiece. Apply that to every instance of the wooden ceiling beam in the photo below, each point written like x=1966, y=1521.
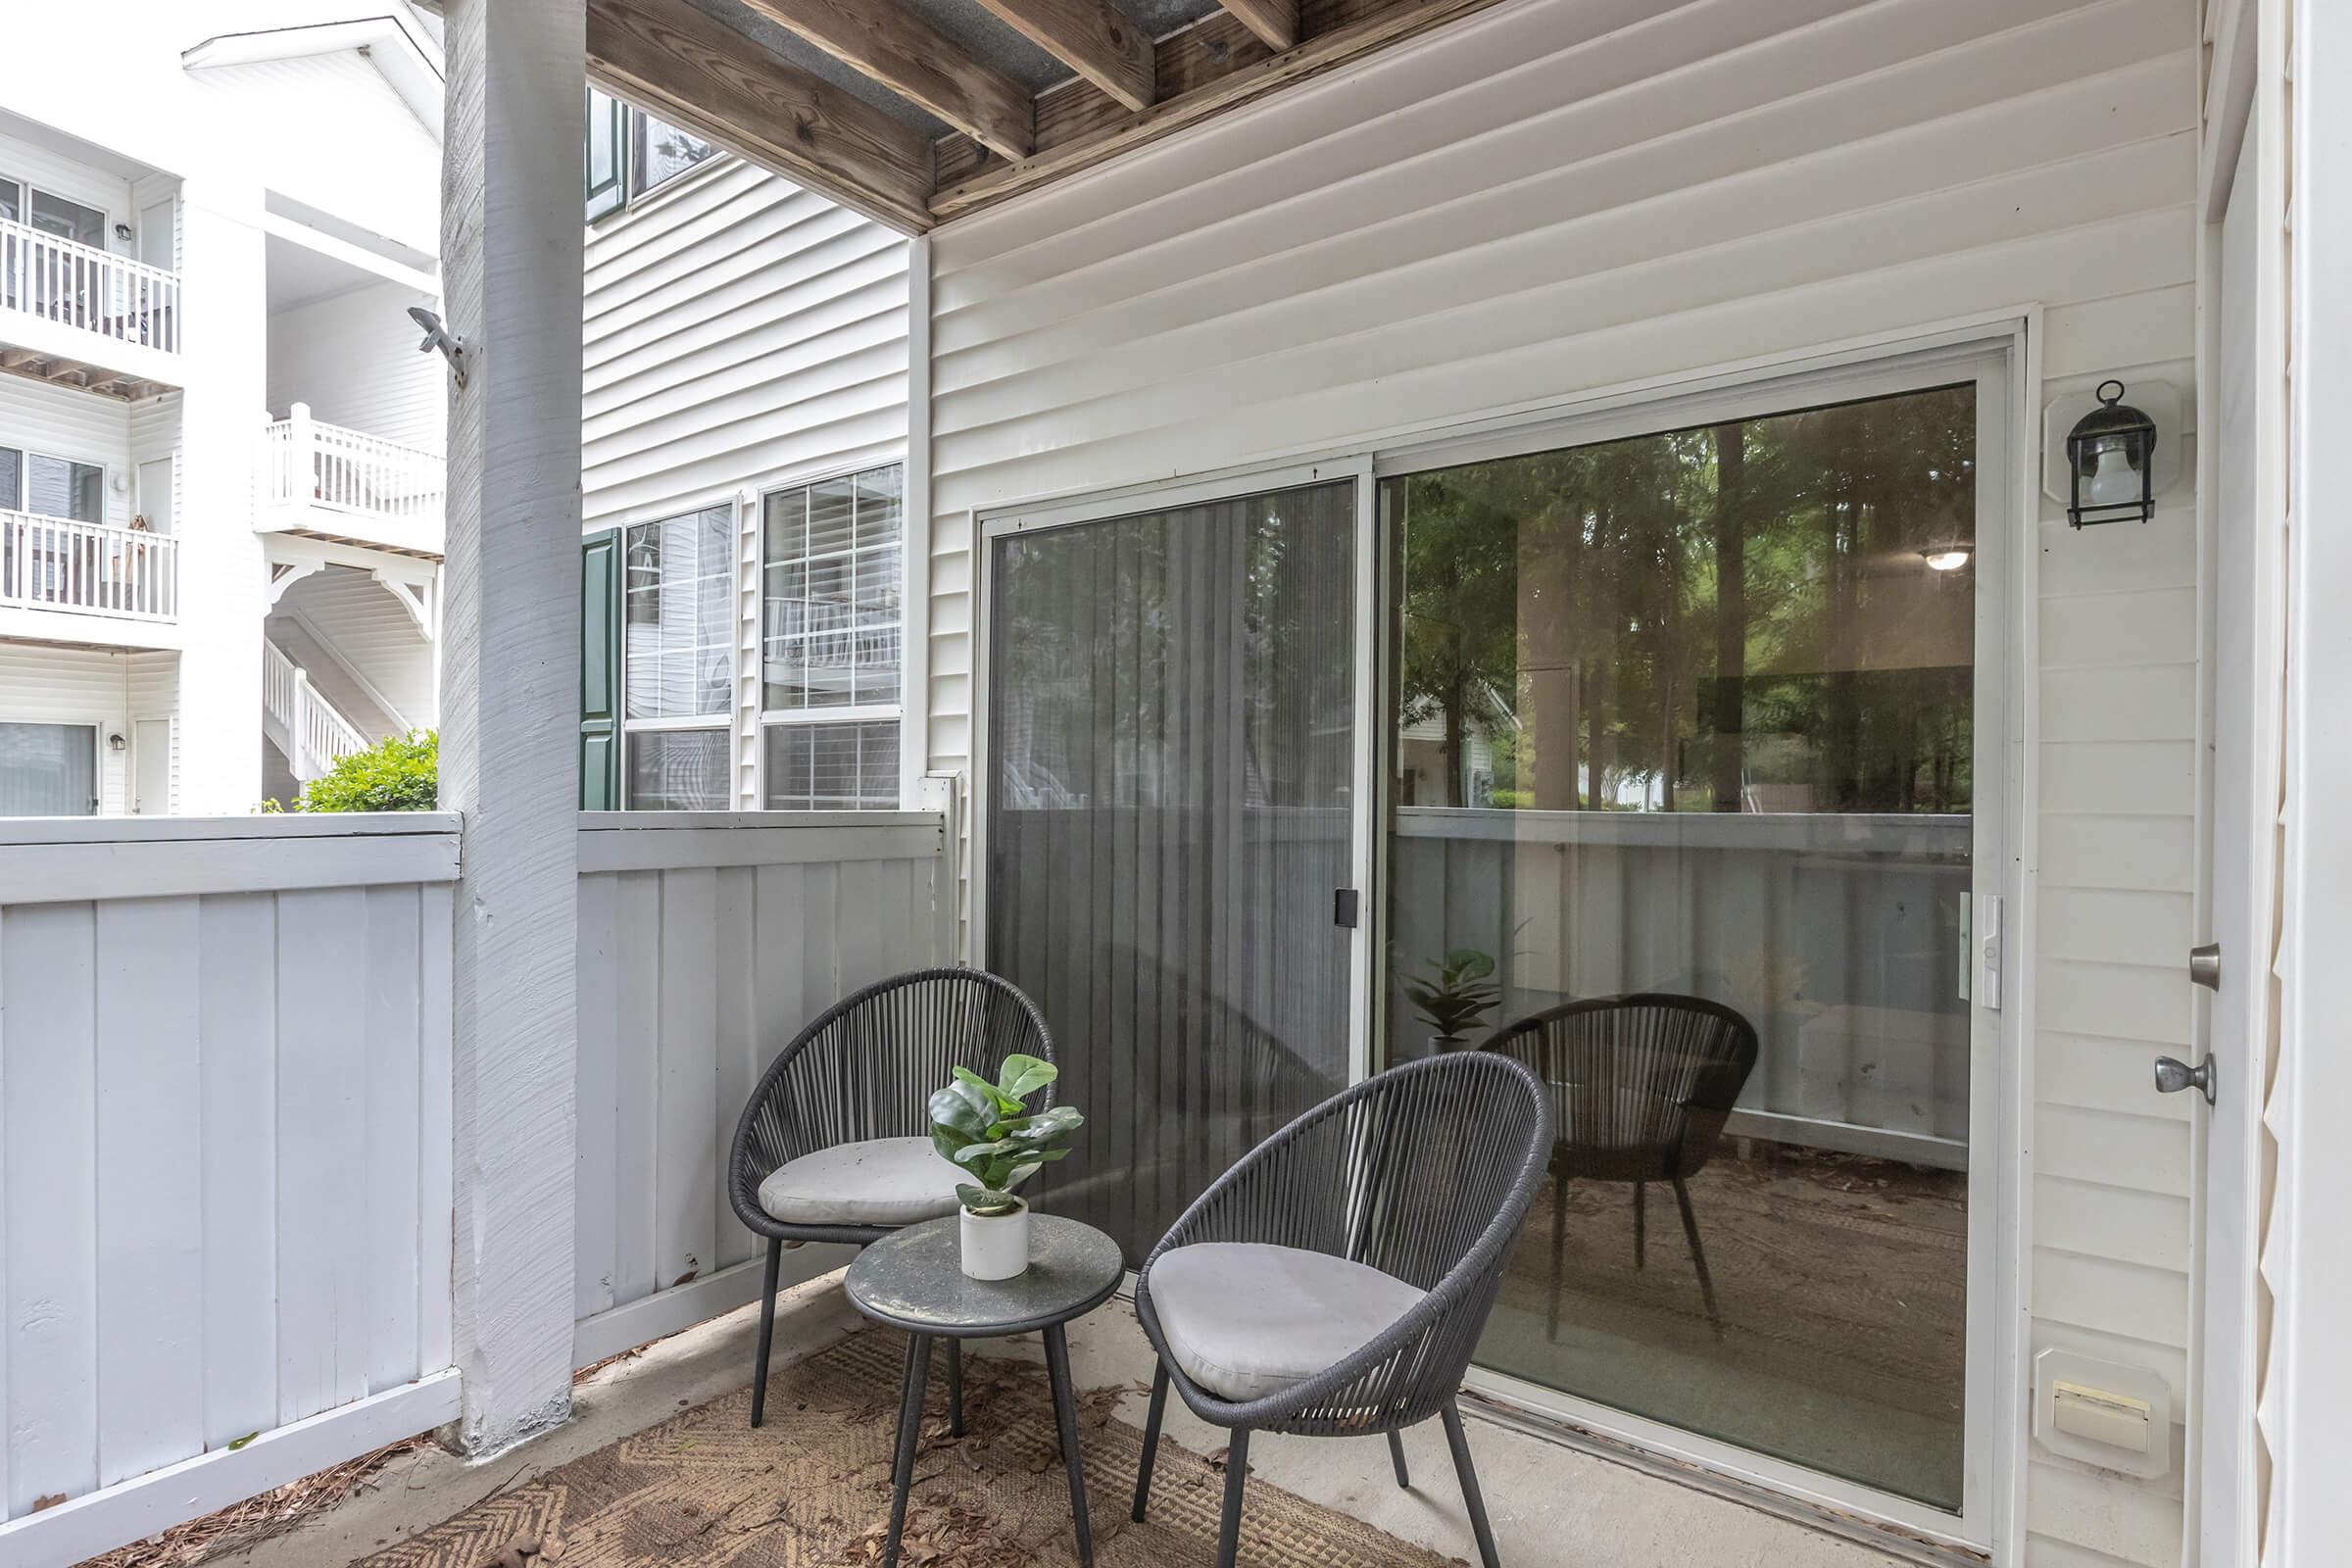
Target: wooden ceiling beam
x=898, y=49
x=703, y=76
x=1093, y=37
x=1095, y=137
x=1274, y=21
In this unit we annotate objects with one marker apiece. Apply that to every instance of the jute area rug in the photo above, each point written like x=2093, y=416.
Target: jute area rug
x=811, y=1488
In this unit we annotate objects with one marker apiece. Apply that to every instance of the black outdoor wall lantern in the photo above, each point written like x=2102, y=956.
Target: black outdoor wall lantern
x=2111, y=454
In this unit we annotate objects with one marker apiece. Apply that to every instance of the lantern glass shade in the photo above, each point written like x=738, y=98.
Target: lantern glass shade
x=2112, y=456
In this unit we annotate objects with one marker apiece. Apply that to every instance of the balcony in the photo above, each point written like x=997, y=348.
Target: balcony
x=86, y=569
x=73, y=314
x=325, y=482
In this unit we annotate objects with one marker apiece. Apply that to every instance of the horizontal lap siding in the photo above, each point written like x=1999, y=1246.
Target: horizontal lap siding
x=738, y=330
x=1560, y=197
x=691, y=980
x=224, y=1171
x=354, y=359
x=41, y=684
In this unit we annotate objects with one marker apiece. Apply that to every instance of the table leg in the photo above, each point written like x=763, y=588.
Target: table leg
x=955, y=1388
x=910, y=1431
x=1066, y=1418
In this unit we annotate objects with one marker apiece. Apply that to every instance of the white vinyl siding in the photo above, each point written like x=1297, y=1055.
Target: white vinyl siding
x=740, y=336
x=55, y=174
x=1563, y=196
x=45, y=685
x=740, y=332
x=73, y=425
x=354, y=359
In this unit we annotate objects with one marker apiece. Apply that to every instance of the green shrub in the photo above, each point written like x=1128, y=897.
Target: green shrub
x=398, y=773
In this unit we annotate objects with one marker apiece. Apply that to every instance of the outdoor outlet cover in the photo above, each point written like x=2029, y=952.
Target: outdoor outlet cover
x=2107, y=1413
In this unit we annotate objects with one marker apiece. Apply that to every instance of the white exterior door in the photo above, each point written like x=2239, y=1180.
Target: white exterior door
x=155, y=493
x=151, y=767
x=156, y=234
x=2245, y=782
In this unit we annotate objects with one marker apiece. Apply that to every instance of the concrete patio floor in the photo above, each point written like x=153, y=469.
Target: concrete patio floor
x=1552, y=1504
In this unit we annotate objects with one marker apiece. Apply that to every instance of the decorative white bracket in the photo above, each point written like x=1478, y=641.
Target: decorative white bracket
x=284, y=574
x=417, y=598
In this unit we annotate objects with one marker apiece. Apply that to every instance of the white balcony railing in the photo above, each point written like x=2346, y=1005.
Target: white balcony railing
x=387, y=492
x=317, y=736
x=57, y=563
x=79, y=285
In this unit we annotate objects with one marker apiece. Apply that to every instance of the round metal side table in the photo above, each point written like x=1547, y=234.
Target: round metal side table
x=913, y=1280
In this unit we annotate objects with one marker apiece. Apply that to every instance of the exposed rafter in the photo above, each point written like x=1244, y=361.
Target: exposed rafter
x=677, y=59
x=1096, y=134
x=1093, y=37
x=1274, y=21
x=701, y=76
x=907, y=55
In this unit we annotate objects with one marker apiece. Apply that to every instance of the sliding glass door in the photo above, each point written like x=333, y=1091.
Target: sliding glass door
x=1169, y=835
x=1687, y=737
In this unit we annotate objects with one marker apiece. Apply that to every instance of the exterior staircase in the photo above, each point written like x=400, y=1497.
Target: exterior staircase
x=302, y=724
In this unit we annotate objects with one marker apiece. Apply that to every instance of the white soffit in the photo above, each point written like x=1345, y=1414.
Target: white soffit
x=394, y=43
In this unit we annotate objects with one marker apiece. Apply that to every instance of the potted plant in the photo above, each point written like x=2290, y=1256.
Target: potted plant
x=985, y=1132
x=1455, y=997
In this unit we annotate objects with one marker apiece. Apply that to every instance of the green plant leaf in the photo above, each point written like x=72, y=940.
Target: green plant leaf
x=398, y=773
x=1022, y=1076
x=952, y=1109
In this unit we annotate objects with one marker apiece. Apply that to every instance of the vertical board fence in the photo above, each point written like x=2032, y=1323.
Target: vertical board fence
x=225, y=1183
x=1837, y=935
x=707, y=941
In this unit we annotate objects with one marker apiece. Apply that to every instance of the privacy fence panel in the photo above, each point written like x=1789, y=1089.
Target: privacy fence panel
x=1838, y=935
x=707, y=941
x=225, y=1162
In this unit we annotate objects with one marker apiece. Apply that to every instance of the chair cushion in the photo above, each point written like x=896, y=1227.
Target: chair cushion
x=883, y=1181
x=1246, y=1320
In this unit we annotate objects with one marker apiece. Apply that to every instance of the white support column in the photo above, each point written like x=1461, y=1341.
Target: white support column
x=511, y=243
x=222, y=575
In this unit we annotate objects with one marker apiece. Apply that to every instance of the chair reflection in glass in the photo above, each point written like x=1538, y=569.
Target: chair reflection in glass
x=1640, y=1087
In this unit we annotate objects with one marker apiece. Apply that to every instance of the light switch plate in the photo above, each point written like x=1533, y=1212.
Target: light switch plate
x=2093, y=1410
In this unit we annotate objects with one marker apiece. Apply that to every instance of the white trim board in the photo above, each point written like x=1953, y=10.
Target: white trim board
x=771, y=842
x=682, y=1307
x=132, y=1510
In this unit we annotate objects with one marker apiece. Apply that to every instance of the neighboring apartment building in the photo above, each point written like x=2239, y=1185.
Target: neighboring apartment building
x=743, y=435
x=220, y=487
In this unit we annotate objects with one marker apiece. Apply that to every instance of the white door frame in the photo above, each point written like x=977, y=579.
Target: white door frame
x=2248, y=100
x=2000, y=352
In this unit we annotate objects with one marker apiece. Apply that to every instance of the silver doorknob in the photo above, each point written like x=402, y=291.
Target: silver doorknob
x=2174, y=1075
x=2205, y=966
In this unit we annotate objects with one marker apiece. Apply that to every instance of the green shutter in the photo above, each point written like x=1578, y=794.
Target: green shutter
x=605, y=156
x=600, y=671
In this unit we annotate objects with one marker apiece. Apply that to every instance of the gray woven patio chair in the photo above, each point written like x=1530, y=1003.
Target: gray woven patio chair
x=1334, y=1281
x=834, y=1145
x=1640, y=1088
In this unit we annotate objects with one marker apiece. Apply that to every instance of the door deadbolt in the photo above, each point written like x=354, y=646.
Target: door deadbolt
x=2205, y=966
x=2174, y=1075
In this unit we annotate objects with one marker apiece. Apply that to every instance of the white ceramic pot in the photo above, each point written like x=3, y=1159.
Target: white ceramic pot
x=996, y=1247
